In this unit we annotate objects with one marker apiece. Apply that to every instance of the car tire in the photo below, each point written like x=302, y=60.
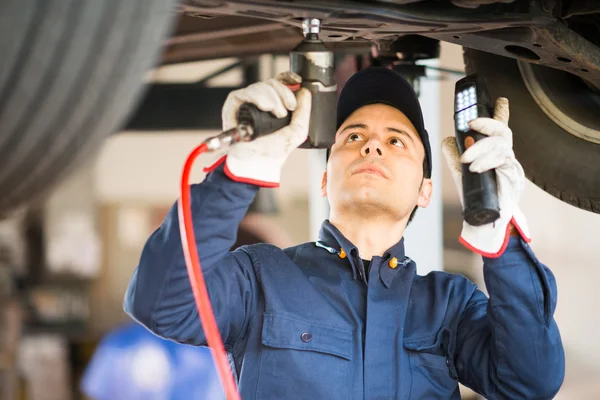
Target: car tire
x=555, y=159
x=71, y=71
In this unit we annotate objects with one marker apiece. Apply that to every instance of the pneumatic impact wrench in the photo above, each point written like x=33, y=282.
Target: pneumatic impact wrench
x=314, y=62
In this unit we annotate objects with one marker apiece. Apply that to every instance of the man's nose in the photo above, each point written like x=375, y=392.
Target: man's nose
x=372, y=147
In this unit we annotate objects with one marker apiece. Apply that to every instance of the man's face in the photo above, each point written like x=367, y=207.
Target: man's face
x=376, y=165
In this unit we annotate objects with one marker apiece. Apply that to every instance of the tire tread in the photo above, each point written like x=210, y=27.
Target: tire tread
x=81, y=94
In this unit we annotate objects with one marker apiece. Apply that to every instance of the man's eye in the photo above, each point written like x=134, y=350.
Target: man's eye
x=353, y=137
x=396, y=142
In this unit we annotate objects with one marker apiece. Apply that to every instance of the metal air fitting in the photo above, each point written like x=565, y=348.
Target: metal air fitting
x=311, y=26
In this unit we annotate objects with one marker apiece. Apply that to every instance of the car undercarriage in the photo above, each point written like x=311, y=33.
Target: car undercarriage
x=72, y=72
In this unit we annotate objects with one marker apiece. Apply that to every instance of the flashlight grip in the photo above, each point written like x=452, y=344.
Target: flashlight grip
x=262, y=122
x=480, y=190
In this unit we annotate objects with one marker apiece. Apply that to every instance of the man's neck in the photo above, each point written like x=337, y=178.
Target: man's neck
x=372, y=237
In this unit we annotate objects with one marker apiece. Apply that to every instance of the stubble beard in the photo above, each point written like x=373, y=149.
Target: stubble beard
x=369, y=208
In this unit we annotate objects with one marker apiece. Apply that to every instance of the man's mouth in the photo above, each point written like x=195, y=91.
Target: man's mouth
x=370, y=169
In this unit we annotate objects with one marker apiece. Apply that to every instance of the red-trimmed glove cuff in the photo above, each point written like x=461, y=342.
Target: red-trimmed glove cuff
x=215, y=165
x=487, y=236
x=250, y=180
x=235, y=178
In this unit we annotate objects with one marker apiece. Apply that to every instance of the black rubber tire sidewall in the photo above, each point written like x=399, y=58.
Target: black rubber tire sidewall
x=71, y=71
x=561, y=164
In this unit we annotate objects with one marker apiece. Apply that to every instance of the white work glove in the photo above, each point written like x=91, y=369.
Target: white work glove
x=493, y=152
x=259, y=162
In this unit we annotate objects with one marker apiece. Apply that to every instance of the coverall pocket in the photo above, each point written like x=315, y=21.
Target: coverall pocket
x=303, y=359
x=432, y=368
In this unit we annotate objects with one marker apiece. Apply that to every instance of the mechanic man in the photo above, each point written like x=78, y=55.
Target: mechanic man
x=347, y=317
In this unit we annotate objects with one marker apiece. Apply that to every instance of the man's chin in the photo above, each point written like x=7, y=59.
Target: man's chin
x=371, y=191
x=367, y=197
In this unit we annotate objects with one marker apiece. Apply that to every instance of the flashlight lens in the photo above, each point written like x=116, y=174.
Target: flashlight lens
x=466, y=98
x=463, y=117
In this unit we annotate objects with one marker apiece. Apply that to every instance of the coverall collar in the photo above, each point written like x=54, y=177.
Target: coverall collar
x=330, y=236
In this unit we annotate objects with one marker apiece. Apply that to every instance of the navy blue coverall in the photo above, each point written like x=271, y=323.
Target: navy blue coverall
x=305, y=323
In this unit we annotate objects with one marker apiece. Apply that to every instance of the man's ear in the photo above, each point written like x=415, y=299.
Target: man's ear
x=425, y=193
x=324, y=184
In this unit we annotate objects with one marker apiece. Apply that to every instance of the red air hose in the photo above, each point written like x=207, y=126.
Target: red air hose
x=190, y=252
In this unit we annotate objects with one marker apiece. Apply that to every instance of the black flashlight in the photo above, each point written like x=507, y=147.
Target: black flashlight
x=480, y=191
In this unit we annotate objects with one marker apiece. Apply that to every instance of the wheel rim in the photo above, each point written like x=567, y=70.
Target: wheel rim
x=566, y=99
